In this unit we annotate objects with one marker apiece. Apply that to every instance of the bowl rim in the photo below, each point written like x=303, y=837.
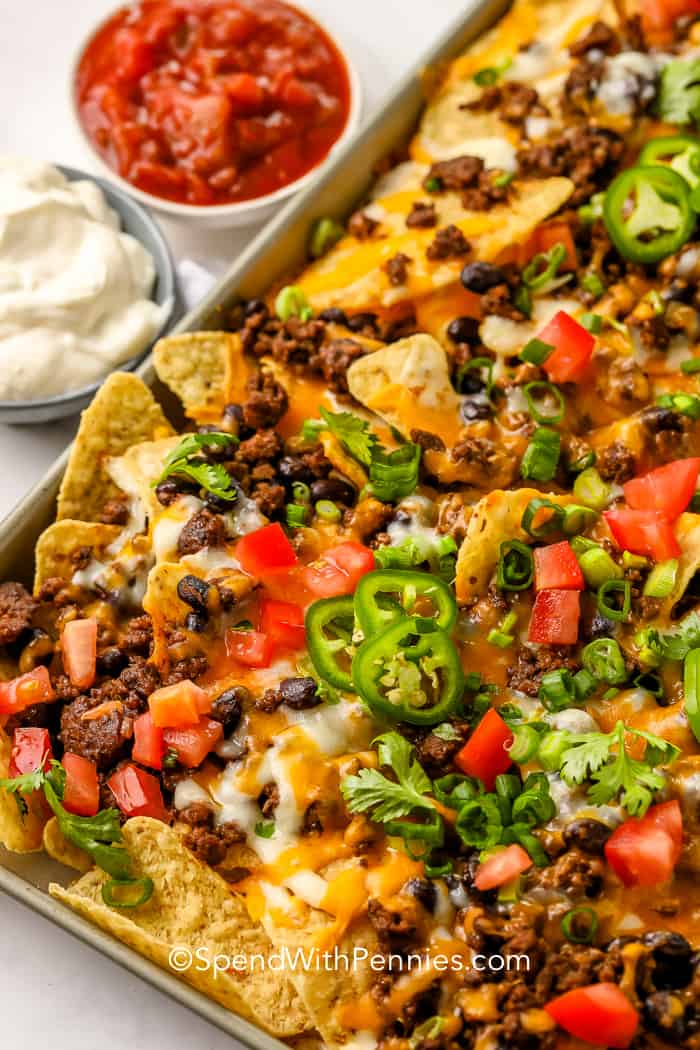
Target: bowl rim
x=234, y=208
x=166, y=276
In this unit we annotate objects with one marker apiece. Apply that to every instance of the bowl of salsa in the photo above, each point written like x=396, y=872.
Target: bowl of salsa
x=214, y=109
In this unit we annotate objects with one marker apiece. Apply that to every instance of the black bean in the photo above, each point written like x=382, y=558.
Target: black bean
x=679, y=291
x=232, y=415
x=423, y=890
x=334, y=489
x=475, y=410
x=194, y=592
x=217, y=504
x=299, y=693
x=255, y=306
x=665, y=1015
x=363, y=320
x=478, y=277
x=112, y=661
x=463, y=330
x=655, y=419
x=195, y=622
x=672, y=957
x=588, y=835
x=333, y=315
x=601, y=627
x=227, y=707
x=292, y=468
x=167, y=492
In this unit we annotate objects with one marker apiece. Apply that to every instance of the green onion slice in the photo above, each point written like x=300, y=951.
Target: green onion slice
x=542, y=518
x=539, y=394
x=613, y=610
x=515, y=566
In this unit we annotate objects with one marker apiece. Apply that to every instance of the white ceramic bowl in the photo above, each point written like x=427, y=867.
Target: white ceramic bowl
x=220, y=216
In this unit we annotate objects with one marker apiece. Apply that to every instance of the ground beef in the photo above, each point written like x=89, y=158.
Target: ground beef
x=267, y=401
x=189, y=668
x=460, y=173
x=16, y=610
x=652, y=331
x=616, y=463
x=427, y=441
x=625, y=383
x=115, y=512
x=574, y=873
x=395, y=927
x=581, y=86
x=263, y=447
x=422, y=215
x=205, y=529
x=360, y=225
x=334, y=359
x=514, y=101
x=600, y=37
x=449, y=243
x=270, y=499
x=497, y=302
x=290, y=342
x=436, y=754
x=137, y=636
x=140, y=679
x=268, y=799
x=453, y=516
x=104, y=740
x=664, y=432
x=531, y=664
x=207, y=841
x=396, y=268
x=585, y=153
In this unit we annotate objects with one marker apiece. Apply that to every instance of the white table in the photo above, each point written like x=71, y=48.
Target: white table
x=56, y=991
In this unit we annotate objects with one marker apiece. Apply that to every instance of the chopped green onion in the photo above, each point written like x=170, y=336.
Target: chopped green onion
x=662, y=579
x=291, y=302
x=613, y=611
x=593, y=323
x=503, y=180
x=590, y=489
x=552, y=522
x=502, y=637
x=634, y=561
x=585, y=461
x=656, y=301
x=490, y=75
x=265, y=829
x=536, y=352
x=580, y=924
x=694, y=505
x=552, y=748
x=325, y=233
x=433, y=184
x=476, y=364
x=522, y=300
x=685, y=404
x=603, y=659
x=593, y=210
x=543, y=267
x=611, y=693
x=580, y=545
x=691, y=366
x=295, y=514
x=311, y=428
x=691, y=690
x=592, y=284
x=577, y=518
x=538, y=392
x=598, y=566
x=556, y=689
x=127, y=893
x=301, y=492
x=541, y=456
x=584, y=685
x=526, y=740
x=515, y=566
x=436, y=871
x=326, y=510
x=651, y=683
x=171, y=759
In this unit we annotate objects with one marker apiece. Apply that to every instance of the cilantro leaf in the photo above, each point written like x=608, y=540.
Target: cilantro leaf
x=265, y=829
x=389, y=800
x=186, y=460
x=24, y=784
x=353, y=434
x=679, y=91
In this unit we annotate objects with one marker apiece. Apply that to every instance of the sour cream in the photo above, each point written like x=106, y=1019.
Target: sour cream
x=74, y=289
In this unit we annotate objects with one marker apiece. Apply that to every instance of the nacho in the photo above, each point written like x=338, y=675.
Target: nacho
x=205, y=370
x=57, y=547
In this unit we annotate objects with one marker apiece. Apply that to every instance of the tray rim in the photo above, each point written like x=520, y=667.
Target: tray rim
x=477, y=17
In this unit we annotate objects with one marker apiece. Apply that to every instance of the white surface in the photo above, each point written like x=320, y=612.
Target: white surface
x=56, y=991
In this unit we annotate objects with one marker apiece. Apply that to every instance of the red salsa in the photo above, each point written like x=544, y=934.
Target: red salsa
x=212, y=101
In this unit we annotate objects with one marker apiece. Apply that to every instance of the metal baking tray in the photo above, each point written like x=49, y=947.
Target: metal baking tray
x=279, y=249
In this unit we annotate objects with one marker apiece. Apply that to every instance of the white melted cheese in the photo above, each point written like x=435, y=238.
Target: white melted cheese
x=166, y=530
x=628, y=77
x=572, y=804
x=507, y=337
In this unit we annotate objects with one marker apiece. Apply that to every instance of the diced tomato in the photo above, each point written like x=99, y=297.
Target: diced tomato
x=34, y=687
x=573, y=346
x=266, y=551
x=644, y=852
x=339, y=570
x=252, y=648
x=31, y=748
x=135, y=55
x=556, y=568
x=661, y=14
x=283, y=622
x=502, y=867
x=667, y=489
x=137, y=793
x=485, y=754
x=643, y=532
x=178, y=705
x=148, y=746
x=194, y=743
x=81, y=793
x=244, y=89
x=557, y=233
x=598, y=1013
x=79, y=651
x=555, y=617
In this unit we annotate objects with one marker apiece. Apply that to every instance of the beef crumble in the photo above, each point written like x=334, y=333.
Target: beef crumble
x=16, y=610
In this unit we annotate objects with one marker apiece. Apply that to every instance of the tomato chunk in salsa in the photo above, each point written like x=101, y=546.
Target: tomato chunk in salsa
x=212, y=101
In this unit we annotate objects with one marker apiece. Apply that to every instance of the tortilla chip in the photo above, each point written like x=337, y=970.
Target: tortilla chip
x=352, y=274
x=19, y=832
x=122, y=413
x=495, y=518
x=687, y=530
x=59, y=848
x=191, y=908
x=206, y=370
x=408, y=385
x=58, y=544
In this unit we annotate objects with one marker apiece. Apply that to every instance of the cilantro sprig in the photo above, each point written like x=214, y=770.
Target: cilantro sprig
x=187, y=461
x=393, y=475
x=389, y=800
x=603, y=759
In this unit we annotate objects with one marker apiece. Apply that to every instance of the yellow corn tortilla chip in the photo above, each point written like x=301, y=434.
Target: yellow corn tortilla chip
x=206, y=370
x=687, y=530
x=19, y=832
x=352, y=274
x=495, y=518
x=122, y=413
x=59, y=848
x=57, y=545
x=192, y=908
x=408, y=385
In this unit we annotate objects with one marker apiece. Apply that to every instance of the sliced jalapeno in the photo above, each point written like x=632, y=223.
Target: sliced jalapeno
x=385, y=595
x=329, y=625
x=679, y=152
x=648, y=214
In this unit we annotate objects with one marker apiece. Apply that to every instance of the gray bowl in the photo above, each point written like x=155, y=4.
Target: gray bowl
x=136, y=221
